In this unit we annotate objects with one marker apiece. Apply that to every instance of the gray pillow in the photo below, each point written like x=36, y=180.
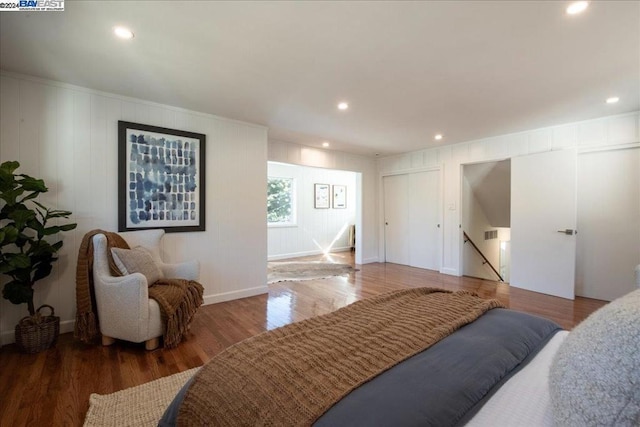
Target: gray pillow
x=594, y=378
x=137, y=260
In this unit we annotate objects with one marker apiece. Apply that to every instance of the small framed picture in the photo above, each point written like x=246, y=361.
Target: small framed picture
x=339, y=197
x=321, y=196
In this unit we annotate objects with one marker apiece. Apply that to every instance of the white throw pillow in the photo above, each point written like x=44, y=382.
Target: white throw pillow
x=137, y=260
x=594, y=379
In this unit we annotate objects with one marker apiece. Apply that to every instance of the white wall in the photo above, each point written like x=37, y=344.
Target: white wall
x=316, y=230
x=67, y=135
x=606, y=133
x=504, y=235
x=475, y=223
x=366, y=181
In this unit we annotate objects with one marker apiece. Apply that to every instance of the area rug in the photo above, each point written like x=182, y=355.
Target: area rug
x=136, y=406
x=296, y=270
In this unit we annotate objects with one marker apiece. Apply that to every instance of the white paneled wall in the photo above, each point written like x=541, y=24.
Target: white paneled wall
x=67, y=135
x=366, y=181
x=316, y=230
x=592, y=136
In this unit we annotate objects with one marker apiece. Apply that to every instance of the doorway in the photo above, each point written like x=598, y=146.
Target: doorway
x=542, y=220
x=301, y=226
x=486, y=220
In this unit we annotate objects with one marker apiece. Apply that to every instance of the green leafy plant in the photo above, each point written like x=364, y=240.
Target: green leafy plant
x=25, y=254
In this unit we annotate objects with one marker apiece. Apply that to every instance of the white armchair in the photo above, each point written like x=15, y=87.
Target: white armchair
x=125, y=310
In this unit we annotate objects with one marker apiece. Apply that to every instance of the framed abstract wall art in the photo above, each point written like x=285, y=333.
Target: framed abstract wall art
x=321, y=199
x=339, y=197
x=161, y=178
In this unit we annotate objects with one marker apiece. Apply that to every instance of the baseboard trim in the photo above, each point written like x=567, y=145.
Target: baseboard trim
x=228, y=296
x=9, y=337
x=306, y=253
x=449, y=271
x=370, y=260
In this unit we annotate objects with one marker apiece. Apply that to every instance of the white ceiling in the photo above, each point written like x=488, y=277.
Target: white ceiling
x=409, y=70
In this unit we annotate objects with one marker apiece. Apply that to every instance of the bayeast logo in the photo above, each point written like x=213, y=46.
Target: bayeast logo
x=41, y=3
x=32, y=5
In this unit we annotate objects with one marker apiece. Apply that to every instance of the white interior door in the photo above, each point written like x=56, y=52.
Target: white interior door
x=543, y=222
x=396, y=219
x=424, y=220
x=609, y=223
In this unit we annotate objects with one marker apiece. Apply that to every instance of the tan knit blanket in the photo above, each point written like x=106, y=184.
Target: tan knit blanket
x=178, y=298
x=86, y=328
x=294, y=374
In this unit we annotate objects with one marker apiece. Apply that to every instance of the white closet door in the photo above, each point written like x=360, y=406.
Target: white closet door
x=543, y=221
x=396, y=212
x=424, y=218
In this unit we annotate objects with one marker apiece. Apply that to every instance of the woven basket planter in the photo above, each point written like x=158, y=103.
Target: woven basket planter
x=37, y=333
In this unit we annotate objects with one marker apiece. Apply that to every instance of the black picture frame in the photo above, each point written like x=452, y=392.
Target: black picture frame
x=161, y=178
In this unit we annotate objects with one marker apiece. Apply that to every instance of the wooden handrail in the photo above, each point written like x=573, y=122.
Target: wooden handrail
x=486, y=261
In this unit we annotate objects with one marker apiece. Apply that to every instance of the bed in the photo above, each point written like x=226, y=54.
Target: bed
x=488, y=369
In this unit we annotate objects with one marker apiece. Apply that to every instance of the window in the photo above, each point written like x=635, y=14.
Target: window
x=280, y=201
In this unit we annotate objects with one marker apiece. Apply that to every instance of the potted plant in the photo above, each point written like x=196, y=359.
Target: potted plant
x=26, y=254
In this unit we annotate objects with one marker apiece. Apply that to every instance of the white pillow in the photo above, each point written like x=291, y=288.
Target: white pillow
x=137, y=260
x=594, y=379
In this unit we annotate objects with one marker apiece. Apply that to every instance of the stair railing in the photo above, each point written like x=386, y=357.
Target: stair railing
x=484, y=258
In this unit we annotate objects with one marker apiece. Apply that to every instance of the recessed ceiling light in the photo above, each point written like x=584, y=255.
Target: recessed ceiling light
x=343, y=106
x=613, y=100
x=325, y=144
x=438, y=137
x=577, y=7
x=123, y=33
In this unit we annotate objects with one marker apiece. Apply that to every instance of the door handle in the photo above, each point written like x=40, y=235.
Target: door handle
x=568, y=232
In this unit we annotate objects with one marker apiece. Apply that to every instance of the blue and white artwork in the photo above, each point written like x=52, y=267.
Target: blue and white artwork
x=163, y=179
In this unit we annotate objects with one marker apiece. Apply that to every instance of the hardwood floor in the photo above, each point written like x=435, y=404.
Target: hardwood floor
x=53, y=387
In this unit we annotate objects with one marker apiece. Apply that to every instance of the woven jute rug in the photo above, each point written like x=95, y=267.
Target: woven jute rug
x=136, y=406
x=296, y=270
